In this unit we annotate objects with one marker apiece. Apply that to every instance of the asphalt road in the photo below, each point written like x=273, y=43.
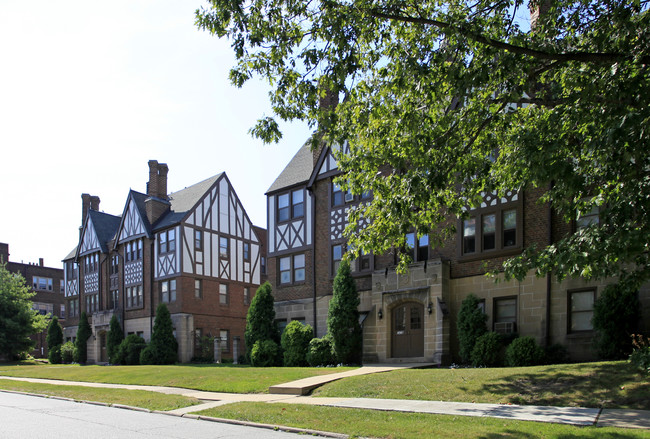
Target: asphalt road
x=26, y=417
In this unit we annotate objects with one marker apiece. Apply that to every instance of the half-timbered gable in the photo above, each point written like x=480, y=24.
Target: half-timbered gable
x=289, y=206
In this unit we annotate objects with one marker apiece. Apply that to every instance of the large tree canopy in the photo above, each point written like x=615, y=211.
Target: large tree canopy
x=448, y=100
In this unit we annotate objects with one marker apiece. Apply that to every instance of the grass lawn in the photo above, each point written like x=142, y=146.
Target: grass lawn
x=208, y=377
x=136, y=398
x=605, y=384
x=378, y=424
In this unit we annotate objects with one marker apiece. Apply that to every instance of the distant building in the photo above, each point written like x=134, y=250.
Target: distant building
x=48, y=284
x=195, y=250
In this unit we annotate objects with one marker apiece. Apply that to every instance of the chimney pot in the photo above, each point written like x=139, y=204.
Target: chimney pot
x=40, y=262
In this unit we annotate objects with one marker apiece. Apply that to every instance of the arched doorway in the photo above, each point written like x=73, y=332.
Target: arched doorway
x=407, y=330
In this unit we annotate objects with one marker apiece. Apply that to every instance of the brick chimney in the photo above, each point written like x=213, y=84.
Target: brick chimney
x=157, y=203
x=88, y=202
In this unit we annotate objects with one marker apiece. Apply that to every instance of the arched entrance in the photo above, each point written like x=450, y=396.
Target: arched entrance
x=407, y=330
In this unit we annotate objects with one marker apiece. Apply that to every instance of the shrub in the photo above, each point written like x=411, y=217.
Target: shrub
x=128, y=353
x=343, y=317
x=487, y=350
x=265, y=353
x=54, y=334
x=556, y=354
x=616, y=313
x=67, y=352
x=471, y=325
x=524, y=351
x=54, y=354
x=205, y=351
x=83, y=333
x=260, y=320
x=147, y=356
x=320, y=352
x=295, y=343
x=114, y=338
x=640, y=357
x=163, y=347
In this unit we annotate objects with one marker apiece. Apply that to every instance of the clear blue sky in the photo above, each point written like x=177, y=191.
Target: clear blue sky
x=90, y=91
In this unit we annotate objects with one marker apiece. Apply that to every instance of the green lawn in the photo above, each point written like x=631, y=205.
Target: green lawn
x=381, y=424
x=213, y=378
x=135, y=398
x=605, y=384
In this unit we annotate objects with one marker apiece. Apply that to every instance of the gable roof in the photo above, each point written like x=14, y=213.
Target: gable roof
x=138, y=199
x=185, y=200
x=105, y=226
x=297, y=171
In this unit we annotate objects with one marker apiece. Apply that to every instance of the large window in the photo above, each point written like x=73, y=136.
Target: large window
x=581, y=310
x=224, y=248
x=134, y=296
x=491, y=230
x=92, y=303
x=134, y=250
x=42, y=283
x=224, y=335
x=417, y=248
x=167, y=241
x=168, y=291
x=115, y=264
x=337, y=255
x=91, y=263
x=74, y=307
x=337, y=195
x=247, y=251
x=113, y=299
x=586, y=219
x=292, y=269
x=505, y=315
x=291, y=205
x=198, y=240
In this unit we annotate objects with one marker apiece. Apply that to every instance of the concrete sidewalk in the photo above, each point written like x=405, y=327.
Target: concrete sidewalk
x=560, y=415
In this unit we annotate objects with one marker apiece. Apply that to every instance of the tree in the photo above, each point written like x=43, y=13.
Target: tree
x=163, y=348
x=616, y=313
x=114, y=338
x=260, y=320
x=343, y=317
x=471, y=325
x=81, y=343
x=17, y=318
x=54, y=341
x=429, y=91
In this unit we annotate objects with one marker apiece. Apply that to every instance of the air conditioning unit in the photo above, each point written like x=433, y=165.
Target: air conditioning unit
x=349, y=197
x=504, y=327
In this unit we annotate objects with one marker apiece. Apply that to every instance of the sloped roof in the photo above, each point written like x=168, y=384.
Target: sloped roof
x=105, y=226
x=297, y=171
x=184, y=200
x=71, y=255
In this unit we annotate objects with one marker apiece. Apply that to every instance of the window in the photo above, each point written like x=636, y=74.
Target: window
x=224, y=252
x=198, y=240
x=224, y=335
x=337, y=255
x=223, y=294
x=167, y=241
x=292, y=269
x=134, y=296
x=71, y=270
x=469, y=236
x=509, y=228
x=74, y=307
x=63, y=311
x=263, y=264
x=421, y=253
x=198, y=290
x=92, y=303
x=42, y=283
x=247, y=296
x=505, y=315
x=43, y=308
x=247, y=251
x=168, y=291
x=363, y=261
x=337, y=195
x=291, y=205
x=115, y=265
x=581, y=310
x=113, y=299
x=139, y=254
x=62, y=286
x=584, y=220
x=134, y=250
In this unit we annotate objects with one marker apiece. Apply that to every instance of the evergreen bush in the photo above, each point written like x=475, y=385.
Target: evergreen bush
x=295, y=343
x=114, y=338
x=54, y=354
x=128, y=353
x=54, y=334
x=320, y=352
x=640, y=358
x=343, y=317
x=83, y=333
x=67, y=352
x=265, y=353
x=471, y=325
x=260, y=320
x=616, y=313
x=524, y=351
x=163, y=346
x=487, y=350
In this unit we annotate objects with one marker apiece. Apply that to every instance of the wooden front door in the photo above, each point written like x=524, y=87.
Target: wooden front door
x=103, y=356
x=408, y=331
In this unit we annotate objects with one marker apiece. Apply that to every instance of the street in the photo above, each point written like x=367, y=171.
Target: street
x=25, y=417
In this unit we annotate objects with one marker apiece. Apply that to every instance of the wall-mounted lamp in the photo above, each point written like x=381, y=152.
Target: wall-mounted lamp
x=380, y=314
x=429, y=308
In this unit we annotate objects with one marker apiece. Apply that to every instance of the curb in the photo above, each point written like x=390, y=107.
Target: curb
x=192, y=416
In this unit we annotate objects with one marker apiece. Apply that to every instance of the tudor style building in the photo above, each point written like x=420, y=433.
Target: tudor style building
x=412, y=316
x=195, y=250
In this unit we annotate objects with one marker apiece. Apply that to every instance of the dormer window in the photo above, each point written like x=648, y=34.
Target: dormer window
x=291, y=205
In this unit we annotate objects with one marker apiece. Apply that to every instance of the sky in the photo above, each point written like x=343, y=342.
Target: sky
x=91, y=91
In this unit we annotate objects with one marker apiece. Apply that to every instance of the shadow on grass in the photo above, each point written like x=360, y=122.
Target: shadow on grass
x=615, y=385
x=520, y=434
